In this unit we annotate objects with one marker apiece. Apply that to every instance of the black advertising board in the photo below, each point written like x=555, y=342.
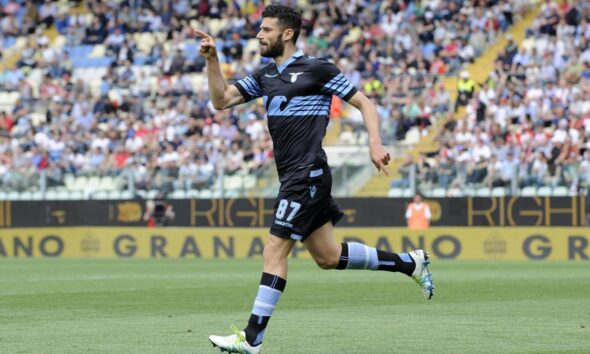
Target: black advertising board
x=258, y=212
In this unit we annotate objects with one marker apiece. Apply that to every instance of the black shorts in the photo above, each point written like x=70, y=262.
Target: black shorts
x=305, y=204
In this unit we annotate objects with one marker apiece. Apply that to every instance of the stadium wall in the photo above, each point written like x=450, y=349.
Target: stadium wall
x=466, y=243
x=258, y=212
x=509, y=228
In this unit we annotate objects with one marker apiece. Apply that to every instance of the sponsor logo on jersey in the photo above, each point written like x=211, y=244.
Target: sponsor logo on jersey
x=294, y=76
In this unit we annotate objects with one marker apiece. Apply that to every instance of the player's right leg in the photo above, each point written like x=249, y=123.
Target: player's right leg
x=272, y=285
x=329, y=254
x=421, y=275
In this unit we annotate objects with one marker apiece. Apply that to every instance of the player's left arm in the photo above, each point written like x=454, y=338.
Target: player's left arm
x=379, y=154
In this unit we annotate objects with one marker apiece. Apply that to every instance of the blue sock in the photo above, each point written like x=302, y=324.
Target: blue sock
x=269, y=292
x=358, y=256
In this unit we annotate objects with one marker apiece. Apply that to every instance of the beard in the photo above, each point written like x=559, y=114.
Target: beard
x=273, y=49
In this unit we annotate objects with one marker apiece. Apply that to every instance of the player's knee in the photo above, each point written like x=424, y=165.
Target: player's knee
x=326, y=262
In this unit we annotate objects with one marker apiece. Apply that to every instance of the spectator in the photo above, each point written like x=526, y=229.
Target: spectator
x=401, y=70
x=158, y=212
x=404, y=171
x=418, y=214
x=465, y=90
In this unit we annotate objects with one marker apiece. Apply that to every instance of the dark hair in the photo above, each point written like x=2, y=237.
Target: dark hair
x=288, y=18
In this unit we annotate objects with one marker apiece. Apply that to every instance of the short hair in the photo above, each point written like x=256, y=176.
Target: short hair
x=288, y=18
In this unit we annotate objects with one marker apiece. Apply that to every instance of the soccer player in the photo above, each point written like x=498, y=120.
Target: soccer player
x=297, y=91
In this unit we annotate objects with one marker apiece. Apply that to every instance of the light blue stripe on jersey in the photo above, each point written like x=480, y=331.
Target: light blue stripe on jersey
x=338, y=86
x=266, y=300
x=251, y=86
x=294, y=57
x=316, y=173
x=362, y=257
x=300, y=106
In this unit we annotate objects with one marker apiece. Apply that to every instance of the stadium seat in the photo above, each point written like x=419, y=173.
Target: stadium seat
x=412, y=136
x=483, y=192
x=232, y=183
x=151, y=194
x=560, y=191
x=30, y=195
x=12, y=97
x=59, y=42
x=36, y=195
x=178, y=194
x=26, y=195
x=114, y=194
x=528, y=191
x=98, y=51
x=544, y=191
x=50, y=194
x=206, y=193
x=80, y=183
x=395, y=193
x=468, y=192
x=13, y=195
x=249, y=182
x=438, y=192
x=62, y=195
x=69, y=180
x=192, y=193
x=498, y=192
x=92, y=183
x=38, y=118
x=107, y=183
x=76, y=195
x=100, y=194
x=231, y=193
x=126, y=195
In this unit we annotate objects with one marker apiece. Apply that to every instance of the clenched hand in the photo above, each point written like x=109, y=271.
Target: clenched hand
x=207, y=45
x=380, y=157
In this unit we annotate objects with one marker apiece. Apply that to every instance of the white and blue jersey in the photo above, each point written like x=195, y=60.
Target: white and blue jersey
x=297, y=96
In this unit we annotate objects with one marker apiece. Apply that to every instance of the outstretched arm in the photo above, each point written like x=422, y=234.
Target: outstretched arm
x=379, y=154
x=222, y=95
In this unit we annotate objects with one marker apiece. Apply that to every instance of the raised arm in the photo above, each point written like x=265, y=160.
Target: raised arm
x=222, y=95
x=379, y=154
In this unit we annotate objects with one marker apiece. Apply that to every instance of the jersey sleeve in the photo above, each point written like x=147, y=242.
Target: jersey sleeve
x=332, y=81
x=250, y=86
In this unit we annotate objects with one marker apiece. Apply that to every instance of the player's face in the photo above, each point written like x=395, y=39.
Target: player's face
x=270, y=38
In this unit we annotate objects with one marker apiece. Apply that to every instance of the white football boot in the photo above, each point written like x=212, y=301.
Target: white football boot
x=235, y=343
x=421, y=274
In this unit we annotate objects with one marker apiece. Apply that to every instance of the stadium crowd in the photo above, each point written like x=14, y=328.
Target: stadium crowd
x=146, y=116
x=529, y=122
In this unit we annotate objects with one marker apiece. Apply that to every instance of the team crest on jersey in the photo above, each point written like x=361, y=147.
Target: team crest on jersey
x=294, y=76
x=312, y=189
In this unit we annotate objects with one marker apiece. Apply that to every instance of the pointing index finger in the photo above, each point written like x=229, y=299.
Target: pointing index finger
x=202, y=34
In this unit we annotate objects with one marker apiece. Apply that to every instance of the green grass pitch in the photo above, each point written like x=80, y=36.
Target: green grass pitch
x=171, y=306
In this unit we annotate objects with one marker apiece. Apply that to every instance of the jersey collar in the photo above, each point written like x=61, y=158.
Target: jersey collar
x=294, y=57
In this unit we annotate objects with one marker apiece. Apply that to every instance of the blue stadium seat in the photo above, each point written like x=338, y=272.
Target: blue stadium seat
x=140, y=60
x=9, y=42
